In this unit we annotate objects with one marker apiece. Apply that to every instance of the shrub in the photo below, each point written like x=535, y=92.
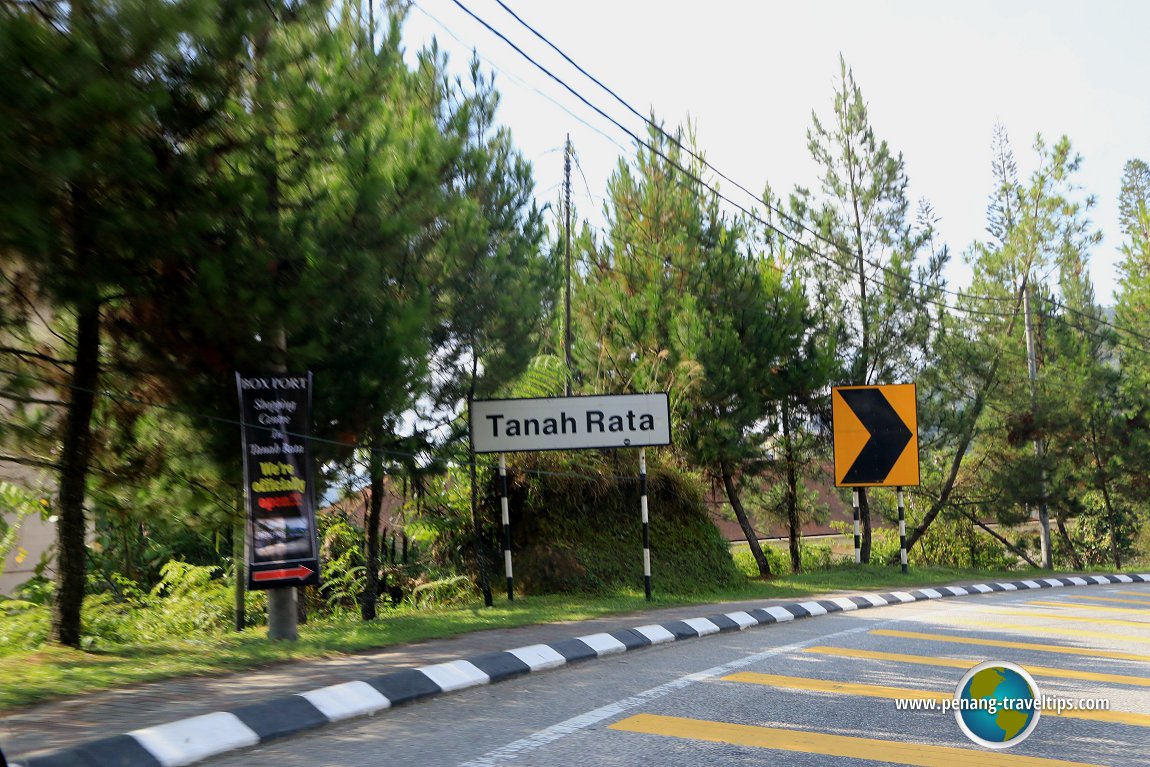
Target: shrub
x=576, y=527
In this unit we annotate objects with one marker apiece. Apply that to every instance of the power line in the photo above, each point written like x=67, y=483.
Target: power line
x=675, y=140
x=749, y=213
x=521, y=82
x=697, y=157
x=387, y=452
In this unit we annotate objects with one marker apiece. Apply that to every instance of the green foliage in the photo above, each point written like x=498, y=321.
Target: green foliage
x=443, y=592
x=23, y=625
x=876, y=281
x=813, y=557
x=746, y=564
x=955, y=542
x=636, y=308
x=882, y=320
x=16, y=505
x=576, y=527
x=188, y=601
x=341, y=559
x=1103, y=533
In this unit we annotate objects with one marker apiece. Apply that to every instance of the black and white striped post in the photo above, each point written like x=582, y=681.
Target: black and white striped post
x=901, y=529
x=506, y=527
x=858, y=536
x=646, y=522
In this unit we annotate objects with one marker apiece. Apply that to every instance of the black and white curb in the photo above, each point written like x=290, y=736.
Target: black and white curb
x=191, y=740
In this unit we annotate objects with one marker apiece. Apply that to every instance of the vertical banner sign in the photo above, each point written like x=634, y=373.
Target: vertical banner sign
x=275, y=419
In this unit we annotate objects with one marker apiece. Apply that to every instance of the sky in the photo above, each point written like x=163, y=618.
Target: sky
x=937, y=77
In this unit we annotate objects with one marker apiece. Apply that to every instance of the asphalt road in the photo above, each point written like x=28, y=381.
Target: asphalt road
x=813, y=692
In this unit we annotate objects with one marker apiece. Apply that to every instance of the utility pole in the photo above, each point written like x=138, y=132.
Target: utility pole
x=567, y=335
x=283, y=604
x=1039, y=447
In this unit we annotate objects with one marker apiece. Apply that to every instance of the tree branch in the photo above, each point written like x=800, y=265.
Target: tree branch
x=29, y=460
x=32, y=400
x=33, y=355
x=1000, y=539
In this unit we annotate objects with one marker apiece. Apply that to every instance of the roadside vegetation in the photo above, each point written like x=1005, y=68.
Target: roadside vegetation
x=186, y=630
x=191, y=188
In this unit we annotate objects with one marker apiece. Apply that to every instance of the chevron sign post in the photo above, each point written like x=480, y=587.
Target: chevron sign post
x=876, y=444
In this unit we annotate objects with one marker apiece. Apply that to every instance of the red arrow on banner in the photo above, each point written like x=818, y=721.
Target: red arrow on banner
x=299, y=572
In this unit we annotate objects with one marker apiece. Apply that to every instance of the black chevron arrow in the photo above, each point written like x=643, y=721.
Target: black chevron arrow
x=889, y=436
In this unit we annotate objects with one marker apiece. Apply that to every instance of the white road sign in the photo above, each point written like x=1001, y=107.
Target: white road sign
x=570, y=423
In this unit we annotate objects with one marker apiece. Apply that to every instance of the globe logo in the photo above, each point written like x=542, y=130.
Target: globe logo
x=997, y=704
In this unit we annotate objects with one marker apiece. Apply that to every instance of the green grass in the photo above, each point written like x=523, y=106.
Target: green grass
x=51, y=672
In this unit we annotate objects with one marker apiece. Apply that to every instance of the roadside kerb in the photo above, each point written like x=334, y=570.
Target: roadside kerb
x=187, y=741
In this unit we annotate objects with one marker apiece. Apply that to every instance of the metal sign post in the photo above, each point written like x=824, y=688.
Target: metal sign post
x=901, y=529
x=646, y=522
x=506, y=528
x=858, y=538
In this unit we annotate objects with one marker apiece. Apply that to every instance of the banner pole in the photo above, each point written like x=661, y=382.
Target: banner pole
x=506, y=527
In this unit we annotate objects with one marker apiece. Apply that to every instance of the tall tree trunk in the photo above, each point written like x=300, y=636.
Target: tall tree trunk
x=794, y=525
x=1104, y=486
x=1064, y=534
x=864, y=322
x=744, y=522
x=1112, y=519
x=75, y=457
x=374, y=506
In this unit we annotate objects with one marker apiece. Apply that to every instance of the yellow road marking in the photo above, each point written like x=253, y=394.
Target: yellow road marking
x=892, y=693
x=1094, y=607
x=1090, y=652
x=1134, y=593
x=1057, y=673
x=1063, y=617
x=1057, y=630
x=846, y=688
x=1109, y=599
x=884, y=751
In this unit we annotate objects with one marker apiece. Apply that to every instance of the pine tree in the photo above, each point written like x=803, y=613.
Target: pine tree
x=878, y=303
x=1039, y=227
x=674, y=298
x=1132, y=317
x=86, y=158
